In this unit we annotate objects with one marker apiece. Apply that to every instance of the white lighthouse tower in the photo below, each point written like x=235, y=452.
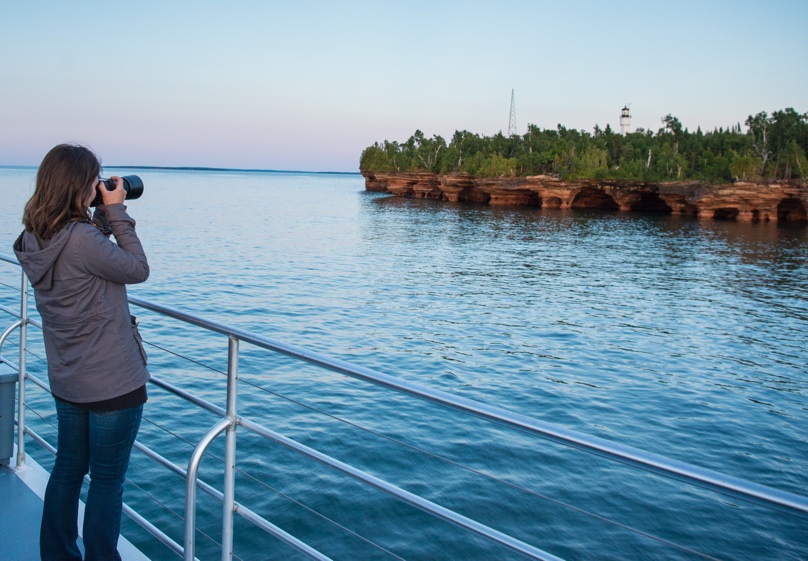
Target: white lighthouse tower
x=625, y=120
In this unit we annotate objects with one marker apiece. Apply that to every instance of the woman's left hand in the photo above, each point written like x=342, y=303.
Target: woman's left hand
x=117, y=196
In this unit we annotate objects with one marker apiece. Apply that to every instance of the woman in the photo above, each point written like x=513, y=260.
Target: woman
x=96, y=362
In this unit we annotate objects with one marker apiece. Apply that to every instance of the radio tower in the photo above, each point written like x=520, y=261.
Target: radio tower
x=512, y=120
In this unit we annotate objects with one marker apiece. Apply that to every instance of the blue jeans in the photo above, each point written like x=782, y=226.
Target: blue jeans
x=101, y=442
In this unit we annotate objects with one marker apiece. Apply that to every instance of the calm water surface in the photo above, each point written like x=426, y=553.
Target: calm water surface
x=678, y=336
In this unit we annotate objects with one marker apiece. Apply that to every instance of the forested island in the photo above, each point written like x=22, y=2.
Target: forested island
x=756, y=174
x=772, y=147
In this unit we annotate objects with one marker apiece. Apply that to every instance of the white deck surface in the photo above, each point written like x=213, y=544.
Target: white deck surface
x=22, y=491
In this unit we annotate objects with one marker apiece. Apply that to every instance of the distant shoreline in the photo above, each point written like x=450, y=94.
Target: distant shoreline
x=195, y=168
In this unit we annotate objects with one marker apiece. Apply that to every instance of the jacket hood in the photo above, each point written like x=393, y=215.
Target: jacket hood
x=37, y=256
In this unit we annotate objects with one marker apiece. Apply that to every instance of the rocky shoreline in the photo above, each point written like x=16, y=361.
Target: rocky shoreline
x=743, y=201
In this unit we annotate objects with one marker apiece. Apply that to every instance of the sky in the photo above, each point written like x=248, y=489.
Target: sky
x=307, y=85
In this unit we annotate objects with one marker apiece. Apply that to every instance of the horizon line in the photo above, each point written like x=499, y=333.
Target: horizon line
x=203, y=168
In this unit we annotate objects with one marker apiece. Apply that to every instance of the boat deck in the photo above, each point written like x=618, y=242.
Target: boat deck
x=21, y=511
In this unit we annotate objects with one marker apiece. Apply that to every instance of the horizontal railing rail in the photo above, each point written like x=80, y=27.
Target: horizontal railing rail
x=230, y=420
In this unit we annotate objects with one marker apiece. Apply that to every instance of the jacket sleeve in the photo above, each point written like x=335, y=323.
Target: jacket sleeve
x=100, y=220
x=124, y=262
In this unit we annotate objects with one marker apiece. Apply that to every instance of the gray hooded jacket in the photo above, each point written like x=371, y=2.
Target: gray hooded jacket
x=79, y=277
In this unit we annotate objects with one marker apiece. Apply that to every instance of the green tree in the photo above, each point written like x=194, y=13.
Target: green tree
x=426, y=152
x=497, y=165
x=745, y=167
x=592, y=163
x=794, y=163
x=374, y=158
x=759, y=129
x=674, y=127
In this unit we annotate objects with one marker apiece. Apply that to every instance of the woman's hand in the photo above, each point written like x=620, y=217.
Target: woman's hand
x=117, y=196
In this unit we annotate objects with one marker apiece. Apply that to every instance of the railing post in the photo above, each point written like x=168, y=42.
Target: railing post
x=230, y=451
x=190, y=486
x=228, y=424
x=21, y=384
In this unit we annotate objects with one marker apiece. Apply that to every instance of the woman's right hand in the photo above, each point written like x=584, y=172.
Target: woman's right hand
x=118, y=196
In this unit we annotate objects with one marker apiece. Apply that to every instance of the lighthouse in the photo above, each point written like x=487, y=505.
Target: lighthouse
x=625, y=120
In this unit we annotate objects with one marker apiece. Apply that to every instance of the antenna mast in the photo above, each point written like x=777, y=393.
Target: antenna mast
x=512, y=120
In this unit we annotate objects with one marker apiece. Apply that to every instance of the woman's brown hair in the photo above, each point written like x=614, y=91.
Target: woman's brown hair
x=63, y=185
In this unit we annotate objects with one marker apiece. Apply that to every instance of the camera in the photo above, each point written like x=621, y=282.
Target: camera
x=132, y=184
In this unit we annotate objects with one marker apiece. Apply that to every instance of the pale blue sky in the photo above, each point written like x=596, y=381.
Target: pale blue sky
x=306, y=85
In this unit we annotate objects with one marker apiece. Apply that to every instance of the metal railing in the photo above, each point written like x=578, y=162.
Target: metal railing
x=230, y=421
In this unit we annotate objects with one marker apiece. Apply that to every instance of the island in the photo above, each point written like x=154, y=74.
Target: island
x=757, y=175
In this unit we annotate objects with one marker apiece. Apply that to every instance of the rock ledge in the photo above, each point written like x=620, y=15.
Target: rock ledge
x=744, y=201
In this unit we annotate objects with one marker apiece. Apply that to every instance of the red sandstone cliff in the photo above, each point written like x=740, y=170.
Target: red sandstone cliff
x=753, y=202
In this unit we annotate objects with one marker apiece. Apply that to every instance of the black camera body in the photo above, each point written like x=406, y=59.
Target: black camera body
x=132, y=184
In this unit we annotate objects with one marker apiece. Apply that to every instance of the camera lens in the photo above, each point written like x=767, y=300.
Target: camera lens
x=132, y=184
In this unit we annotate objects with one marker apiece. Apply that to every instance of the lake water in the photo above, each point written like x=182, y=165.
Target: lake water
x=682, y=337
